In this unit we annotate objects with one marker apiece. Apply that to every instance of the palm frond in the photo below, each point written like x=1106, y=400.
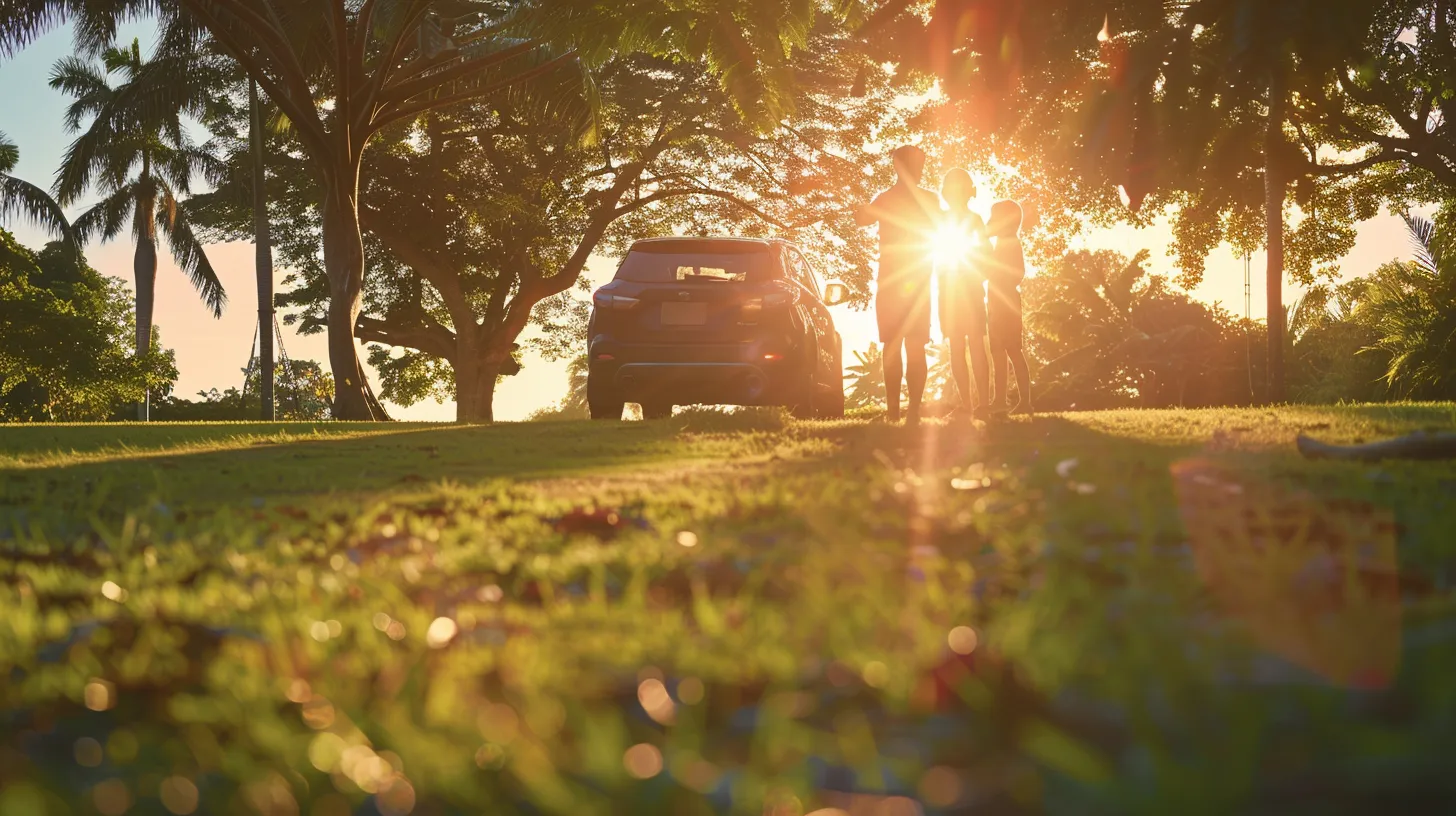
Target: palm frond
x=80, y=79
x=105, y=220
x=9, y=153
x=1422, y=234
x=180, y=166
x=98, y=153
x=19, y=197
x=188, y=251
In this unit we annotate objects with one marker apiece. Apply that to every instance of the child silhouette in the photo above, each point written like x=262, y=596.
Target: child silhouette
x=961, y=283
x=1004, y=273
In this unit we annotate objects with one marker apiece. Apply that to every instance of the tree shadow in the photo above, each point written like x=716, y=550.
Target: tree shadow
x=271, y=468
x=1134, y=640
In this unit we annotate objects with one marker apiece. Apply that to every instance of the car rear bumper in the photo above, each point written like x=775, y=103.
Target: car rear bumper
x=732, y=374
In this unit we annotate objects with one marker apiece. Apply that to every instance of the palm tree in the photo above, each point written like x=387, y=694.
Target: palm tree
x=340, y=71
x=20, y=197
x=1412, y=307
x=105, y=157
x=867, y=378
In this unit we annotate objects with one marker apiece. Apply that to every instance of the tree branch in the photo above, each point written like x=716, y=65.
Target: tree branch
x=302, y=114
x=429, y=337
x=406, y=112
x=408, y=252
x=268, y=37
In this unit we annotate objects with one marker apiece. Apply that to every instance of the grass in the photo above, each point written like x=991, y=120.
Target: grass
x=1118, y=612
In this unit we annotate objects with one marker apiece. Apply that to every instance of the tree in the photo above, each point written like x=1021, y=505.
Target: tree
x=866, y=379
x=1110, y=335
x=1204, y=110
x=304, y=392
x=342, y=71
x=1411, y=307
x=1332, y=351
x=480, y=220
x=165, y=161
x=20, y=197
x=64, y=339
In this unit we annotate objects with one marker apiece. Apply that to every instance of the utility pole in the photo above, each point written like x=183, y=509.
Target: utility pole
x=263, y=244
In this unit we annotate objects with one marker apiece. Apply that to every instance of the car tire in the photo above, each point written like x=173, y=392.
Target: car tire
x=656, y=410
x=601, y=404
x=806, y=393
x=831, y=403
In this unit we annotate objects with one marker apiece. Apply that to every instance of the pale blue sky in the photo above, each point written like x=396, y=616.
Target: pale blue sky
x=210, y=353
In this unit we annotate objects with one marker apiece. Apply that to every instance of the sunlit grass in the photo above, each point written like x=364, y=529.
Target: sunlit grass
x=725, y=613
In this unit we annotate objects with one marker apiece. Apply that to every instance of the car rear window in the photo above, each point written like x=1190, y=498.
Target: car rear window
x=695, y=267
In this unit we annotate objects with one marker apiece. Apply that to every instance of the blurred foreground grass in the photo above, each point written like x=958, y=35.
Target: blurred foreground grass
x=1122, y=612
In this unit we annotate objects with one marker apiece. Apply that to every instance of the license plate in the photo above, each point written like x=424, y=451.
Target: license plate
x=684, y=314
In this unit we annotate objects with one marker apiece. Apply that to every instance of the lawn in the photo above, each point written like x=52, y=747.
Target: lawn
x=1117, y=612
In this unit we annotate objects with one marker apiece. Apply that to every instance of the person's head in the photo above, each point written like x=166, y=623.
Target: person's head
x=909, y=163
x=957, y=188
x=1005, y=219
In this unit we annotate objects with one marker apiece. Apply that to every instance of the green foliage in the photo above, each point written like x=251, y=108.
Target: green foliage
x=1107, y=334
x=245, y=602
x=65, y=337
x=574, y=404
x=303, y=391
x=866, y=379
x=480, y=220
x=1411, y=308
x=20, y=197
x=119, y=138
x=1333, y=356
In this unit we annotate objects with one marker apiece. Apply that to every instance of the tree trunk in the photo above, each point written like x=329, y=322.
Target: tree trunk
x=144, y=268
x=263, y=246
x=475, y=377
x=344, y=263
x=1275, y=189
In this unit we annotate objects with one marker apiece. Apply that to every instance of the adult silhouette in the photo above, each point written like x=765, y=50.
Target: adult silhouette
x=907, y=216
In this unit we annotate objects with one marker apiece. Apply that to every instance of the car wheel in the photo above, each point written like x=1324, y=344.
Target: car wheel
x=656, y=410
x=602, y=404
x=806, y=394
x=831, y=404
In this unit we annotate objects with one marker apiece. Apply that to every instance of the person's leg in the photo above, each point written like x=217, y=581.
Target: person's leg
x=958, y=369
x=916, y=372
x=981, y=366
x=1023, y=381
x=999, y=362
x=894, y=371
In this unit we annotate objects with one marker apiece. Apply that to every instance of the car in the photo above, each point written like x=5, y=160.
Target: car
x=715, y=321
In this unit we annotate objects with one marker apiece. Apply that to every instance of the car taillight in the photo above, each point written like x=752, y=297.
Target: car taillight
x=606, y=300
x=787, y=296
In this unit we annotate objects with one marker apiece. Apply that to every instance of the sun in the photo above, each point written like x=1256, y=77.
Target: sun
x=952, y=246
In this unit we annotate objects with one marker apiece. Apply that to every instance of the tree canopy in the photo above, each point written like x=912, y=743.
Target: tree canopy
x=65, y=334
x=481, y=220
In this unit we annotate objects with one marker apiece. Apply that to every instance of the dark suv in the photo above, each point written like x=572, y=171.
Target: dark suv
x=736, y=321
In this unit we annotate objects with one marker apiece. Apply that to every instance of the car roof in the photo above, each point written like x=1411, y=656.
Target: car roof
x=725, y=245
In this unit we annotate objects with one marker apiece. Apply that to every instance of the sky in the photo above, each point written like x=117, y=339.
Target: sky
x=211, y=353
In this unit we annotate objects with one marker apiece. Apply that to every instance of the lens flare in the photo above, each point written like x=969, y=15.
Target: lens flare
x=952, y=247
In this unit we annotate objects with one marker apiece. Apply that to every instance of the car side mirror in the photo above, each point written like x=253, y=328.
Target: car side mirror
x=835, y=294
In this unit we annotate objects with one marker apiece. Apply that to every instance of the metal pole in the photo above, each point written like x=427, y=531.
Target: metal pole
x=263, y=243
x=1248, y=284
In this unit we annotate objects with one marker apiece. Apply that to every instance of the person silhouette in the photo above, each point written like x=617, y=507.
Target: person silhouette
x=961, y=287
x=906, y=215
x=1004, y=272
